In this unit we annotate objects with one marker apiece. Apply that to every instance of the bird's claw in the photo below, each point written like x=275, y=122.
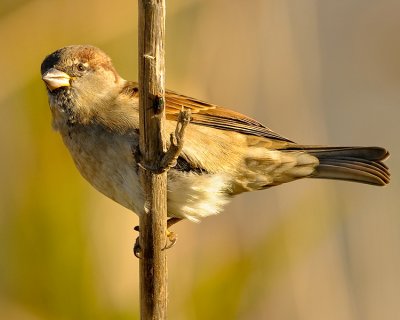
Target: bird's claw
x=137, y=249
x=171, y=236
x=140, y=163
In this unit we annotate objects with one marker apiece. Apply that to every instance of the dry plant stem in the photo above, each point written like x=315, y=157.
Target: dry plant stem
x=153, y=221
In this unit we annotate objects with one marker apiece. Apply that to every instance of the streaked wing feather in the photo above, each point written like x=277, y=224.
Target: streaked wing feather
x=210, y=115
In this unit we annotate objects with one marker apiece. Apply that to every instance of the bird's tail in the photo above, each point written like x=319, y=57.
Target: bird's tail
x=358, y=164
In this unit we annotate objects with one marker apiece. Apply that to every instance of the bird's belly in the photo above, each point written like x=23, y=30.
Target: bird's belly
x=107, y=163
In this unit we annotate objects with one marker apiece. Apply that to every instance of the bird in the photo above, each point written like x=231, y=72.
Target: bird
x=225, y=153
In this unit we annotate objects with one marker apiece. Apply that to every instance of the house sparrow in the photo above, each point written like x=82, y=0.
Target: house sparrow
x=225, y=153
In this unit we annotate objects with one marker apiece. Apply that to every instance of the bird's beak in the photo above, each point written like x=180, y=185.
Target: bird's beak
x=55, y=79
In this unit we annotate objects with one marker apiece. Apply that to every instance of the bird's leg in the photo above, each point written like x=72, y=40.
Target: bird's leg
x=170, y=157
x=172, y=237
x=176, y=141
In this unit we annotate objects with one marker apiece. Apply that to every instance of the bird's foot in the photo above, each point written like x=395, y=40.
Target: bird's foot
x=172, y=237
x=170, y=157
x=137, y=249
x=137, y=154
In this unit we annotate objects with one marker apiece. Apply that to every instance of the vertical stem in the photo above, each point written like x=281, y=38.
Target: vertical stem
x=153, y=265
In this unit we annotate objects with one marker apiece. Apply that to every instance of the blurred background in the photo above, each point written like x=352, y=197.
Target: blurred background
x=318, y=72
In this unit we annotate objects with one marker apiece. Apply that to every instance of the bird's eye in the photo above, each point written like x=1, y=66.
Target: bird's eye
x=81, y=67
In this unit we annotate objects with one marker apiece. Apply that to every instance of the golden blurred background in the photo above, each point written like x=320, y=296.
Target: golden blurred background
x=318, y=72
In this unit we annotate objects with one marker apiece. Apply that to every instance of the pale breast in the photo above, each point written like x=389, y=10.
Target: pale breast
x=106, y=161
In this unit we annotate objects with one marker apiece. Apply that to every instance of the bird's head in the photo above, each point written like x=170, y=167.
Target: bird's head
x=79, y=80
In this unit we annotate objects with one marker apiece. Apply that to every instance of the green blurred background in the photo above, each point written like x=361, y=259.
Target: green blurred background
x=319, y=72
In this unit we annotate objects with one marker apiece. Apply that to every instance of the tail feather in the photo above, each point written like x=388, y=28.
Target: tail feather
x=358, y=164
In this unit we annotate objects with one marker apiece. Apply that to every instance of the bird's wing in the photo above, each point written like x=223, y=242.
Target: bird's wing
x=210, y=115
